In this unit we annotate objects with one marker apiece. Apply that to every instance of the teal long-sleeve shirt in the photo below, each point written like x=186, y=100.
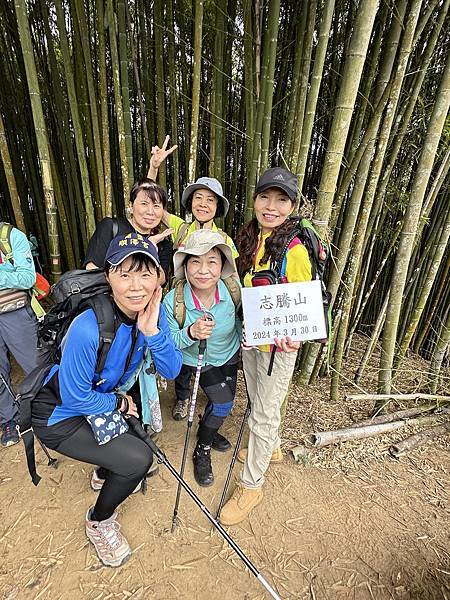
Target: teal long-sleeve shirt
x=226, y=334
x=19, y=274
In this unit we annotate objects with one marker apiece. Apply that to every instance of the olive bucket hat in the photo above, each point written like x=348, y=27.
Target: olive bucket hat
x=198, y=243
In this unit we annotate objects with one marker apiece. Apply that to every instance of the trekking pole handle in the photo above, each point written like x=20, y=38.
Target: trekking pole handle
x=202, y=347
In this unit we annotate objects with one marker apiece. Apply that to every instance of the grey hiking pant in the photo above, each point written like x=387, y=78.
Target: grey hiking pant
x=18, y=335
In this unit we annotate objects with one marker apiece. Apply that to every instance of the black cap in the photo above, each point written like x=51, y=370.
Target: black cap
x=280, y=178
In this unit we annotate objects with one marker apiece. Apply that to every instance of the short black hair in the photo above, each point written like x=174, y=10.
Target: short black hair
x=153, y=191
x=139, y=262
x=223, y=258
x=220, y=210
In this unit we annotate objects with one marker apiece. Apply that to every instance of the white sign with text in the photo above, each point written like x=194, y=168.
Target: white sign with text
x=287, y=309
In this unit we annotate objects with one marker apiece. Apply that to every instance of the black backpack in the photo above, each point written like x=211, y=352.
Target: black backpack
x=75, y=292
x=319, y=255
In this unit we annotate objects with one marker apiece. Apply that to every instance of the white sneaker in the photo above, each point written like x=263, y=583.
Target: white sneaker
x=97, y=483
x=111, y=546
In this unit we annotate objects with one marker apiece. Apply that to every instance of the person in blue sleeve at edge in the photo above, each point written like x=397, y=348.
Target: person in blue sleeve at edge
x=73, y=391
x=18, y=323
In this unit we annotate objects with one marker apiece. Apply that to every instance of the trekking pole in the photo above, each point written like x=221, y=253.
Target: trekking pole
x=201, y=353
x=52, y=462
x=161, y=457
x=235, y=453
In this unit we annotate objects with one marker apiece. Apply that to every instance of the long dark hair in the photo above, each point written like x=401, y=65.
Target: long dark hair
x=247, y=243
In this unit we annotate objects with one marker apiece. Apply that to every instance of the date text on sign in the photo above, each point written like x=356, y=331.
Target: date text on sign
x=292, y=310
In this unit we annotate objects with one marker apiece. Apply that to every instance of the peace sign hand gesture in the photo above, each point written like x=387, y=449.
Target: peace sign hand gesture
x=159, y=155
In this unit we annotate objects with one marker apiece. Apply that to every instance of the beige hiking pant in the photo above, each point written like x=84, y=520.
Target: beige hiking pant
x=266, y=397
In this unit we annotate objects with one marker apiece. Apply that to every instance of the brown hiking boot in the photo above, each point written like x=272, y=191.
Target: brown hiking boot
x=277, y=455
x=239, y=506
x=111, y=546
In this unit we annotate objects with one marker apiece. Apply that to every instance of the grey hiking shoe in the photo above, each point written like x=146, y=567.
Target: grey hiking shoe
x=9, y=435
x=97, y=483
x=180, y=410
x=111, y=546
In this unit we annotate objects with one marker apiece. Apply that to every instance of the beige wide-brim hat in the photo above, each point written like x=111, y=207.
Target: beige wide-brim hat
x=198, y=243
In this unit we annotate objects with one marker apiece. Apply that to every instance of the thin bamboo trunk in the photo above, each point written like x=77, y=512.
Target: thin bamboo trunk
x=266, y=89
x=442, y=345
x=158, y=8
x=93, y=101
x=305, y=68
x=345, y=103
x=407, y=236
x=118, y=99
x=103, y=91
x=170, y=17
x=313, y=95
x=270, y=41
x=41, y=136
x=124, y=84
x=77, y=128
x=10, y=179
x=196, y=78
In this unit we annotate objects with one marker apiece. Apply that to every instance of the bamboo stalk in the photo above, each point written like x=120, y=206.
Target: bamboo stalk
x=196, y=78
x=11, y=180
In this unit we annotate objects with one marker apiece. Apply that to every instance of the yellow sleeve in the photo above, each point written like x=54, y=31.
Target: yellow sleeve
x=230, y=243
x=175, y=223
x=298, y=265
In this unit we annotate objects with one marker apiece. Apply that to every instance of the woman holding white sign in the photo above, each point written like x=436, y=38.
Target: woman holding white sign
x=269, y=253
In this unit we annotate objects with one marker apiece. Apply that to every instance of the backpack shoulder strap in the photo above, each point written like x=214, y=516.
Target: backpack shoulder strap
x=102, y=306
x=115, y=227
x=5, y=241
x=179, y=308
x=234, y=289
x=181, y=235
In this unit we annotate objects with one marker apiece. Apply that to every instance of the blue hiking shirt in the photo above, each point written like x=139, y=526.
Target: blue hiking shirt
x=225, y=338
x=76, y=372
x=21, y=274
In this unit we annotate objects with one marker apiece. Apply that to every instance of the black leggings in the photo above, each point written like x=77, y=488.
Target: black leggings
x=125, y=461
x=219, y=385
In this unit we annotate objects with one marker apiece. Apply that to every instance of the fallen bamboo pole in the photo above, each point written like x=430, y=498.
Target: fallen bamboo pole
x=326, y=438
x=395, y=416
x=418, y=396
x=418, y=439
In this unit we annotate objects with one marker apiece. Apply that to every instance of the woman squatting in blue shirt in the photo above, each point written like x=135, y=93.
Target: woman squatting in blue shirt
x=74, y=391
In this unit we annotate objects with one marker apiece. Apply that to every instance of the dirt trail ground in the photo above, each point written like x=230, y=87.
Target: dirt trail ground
x=351, y=523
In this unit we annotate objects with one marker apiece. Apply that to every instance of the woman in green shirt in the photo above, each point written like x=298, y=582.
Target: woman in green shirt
x=204, y=199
